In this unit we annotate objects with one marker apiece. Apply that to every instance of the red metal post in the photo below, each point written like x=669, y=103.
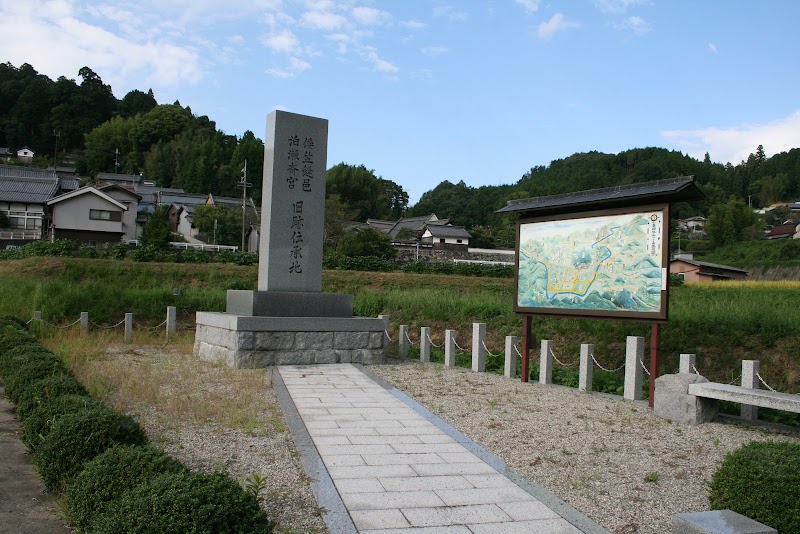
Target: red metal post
x=655, y=359
x=526, y=345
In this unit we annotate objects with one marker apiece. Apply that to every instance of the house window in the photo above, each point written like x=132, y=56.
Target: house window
x=105, y=215
x=458, y=240
x=441, y=240
x=24, y=220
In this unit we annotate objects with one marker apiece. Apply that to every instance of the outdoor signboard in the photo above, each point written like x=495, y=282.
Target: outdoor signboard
x=612, y=263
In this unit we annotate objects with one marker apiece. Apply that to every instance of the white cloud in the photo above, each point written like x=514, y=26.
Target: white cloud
x=53, y=37
x=557, y=23
x=369, y=16
x=323, y=20
x=530, y=6
x=712, y=47
x=295, y=67
x=434, y=51
x=413, y=24
x=282, y=41
x=449, y=12
x=618, y=6
x=636, y=25
x=379, y=65
x=734, y=144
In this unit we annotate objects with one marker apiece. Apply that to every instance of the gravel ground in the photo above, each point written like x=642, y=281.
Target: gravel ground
x=612, y=460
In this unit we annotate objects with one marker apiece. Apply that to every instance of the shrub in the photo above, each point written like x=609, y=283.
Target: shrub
x=762, y=482
x=185, y=502
x=77, y=438
x=112, y=473
x=33, y=367
x=11, y=336
x=11, y=320
x=13, y=358
x=119, y=250
x=38, y=423
x=45, y=391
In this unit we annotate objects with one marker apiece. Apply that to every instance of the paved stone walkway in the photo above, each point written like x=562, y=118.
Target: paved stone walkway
x=397, y=471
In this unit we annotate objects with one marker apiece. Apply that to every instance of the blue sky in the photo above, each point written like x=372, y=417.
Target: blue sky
x=423, y=91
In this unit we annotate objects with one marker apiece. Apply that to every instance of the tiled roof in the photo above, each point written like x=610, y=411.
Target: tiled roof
x=27, y=190
x=669, y=190
x=16, y=171
x=113, y=177
x=711, y=265
x=182, y=198
x=448, y=231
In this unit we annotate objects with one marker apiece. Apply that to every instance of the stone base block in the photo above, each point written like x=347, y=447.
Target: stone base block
x=288, y=304
x=674, y=402
x=717, y=522
x=244, y=341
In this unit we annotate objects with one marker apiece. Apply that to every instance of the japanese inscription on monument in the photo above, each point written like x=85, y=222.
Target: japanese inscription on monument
x=294, y=203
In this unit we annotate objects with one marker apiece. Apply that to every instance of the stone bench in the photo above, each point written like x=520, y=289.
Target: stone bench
x=717, y=522
x=756, y=397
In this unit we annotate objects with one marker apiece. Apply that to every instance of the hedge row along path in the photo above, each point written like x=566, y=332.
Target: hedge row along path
x=25, y=506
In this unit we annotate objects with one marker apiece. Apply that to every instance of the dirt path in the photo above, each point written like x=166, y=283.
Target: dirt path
x=25, y=506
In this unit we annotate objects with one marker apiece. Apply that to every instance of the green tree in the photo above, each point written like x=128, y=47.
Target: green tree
x=730, y=222
x=156, y=231
x=365, y=194
x=367, y=242
x=101, y=146
x=136, y=102
x=228, y=223
x=336, y=217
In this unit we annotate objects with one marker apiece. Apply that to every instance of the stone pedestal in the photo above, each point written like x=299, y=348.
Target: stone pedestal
x=242, y=341
x=674, y=402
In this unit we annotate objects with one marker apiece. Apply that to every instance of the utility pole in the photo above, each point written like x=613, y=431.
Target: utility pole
x=57, y=135
x=244, y=184
x=116, y=160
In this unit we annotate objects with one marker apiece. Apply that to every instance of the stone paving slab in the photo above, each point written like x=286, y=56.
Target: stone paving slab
x=398, y=468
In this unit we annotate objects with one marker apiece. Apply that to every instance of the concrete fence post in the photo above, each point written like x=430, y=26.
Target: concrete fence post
x=172, y=314
x=510, y=367
x=449, y=348
x=750, y=370
x=37, y=315
x=386, y=324
x=425, y=344
x=402, y=340
x=546, y=362
x=84, y=321
x=479, y=347
x=587, y=367
x=128, y=327
x=634, y=356
x=687, y=363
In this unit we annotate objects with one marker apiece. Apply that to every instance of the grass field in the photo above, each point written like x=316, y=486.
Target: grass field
x=722, y=323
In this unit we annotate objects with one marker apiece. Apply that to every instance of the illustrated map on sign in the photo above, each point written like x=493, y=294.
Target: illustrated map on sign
x=605, y=263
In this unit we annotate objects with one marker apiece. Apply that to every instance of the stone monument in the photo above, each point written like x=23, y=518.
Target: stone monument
x=289, y=320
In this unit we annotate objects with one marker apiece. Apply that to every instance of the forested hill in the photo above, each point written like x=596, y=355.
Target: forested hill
x=175, y=148
x=759, y=180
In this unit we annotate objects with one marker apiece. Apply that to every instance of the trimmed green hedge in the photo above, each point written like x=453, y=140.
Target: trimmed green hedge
x=37, y=425
x=78, y=437
x=185, y=502
x=32, y=367
x=762, y=482
x=44, y=391
x=112, y=473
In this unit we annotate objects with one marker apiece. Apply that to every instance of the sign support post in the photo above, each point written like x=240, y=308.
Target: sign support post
x=655, y=359
x=527, y=335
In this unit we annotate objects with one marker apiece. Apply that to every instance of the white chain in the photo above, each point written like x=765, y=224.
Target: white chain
x=518, y=352
x=765, y=384
x=735, y=380
x=62, y=327
x=562, y=364
x=695, y=370
x=459, y=347
x=158, y=325
x=487, y=349
x=409, y=339
x=107, y=327
x=388, y=336
x=432, y=343
x=607, y=370
x=644, y=367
